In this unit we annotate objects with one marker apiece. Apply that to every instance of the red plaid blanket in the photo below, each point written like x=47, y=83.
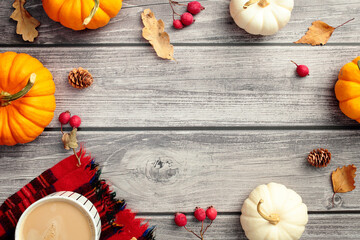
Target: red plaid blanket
x=117, y=222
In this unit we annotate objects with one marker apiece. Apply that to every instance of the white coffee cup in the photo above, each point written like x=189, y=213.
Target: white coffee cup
x=78, y=200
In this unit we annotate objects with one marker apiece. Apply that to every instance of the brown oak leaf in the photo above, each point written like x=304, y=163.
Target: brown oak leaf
x=319, y=33
x=70, y=140
x=26, y=24
x=343, y=179
x=65, y=139
x=153, y=31
x=73, y=143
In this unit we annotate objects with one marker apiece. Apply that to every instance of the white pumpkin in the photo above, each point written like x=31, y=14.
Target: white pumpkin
x=273, y=212
x=264, y=17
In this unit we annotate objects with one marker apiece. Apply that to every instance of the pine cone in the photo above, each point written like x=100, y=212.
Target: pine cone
x=319, y=157
x=80, y=78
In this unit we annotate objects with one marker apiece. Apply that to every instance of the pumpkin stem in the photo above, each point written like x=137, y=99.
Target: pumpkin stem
x=272, y=218
x=261, y=3
x=6, y=98
x=92, y=13
x=359, y=64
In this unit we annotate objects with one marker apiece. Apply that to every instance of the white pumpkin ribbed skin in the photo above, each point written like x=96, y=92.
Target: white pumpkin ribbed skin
x=277, y=199
x=264, y=21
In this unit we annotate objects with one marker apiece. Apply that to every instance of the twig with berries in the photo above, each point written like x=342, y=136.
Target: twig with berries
x=200, y=215
x=172, y=4
x=186, y=18
x=69, y=139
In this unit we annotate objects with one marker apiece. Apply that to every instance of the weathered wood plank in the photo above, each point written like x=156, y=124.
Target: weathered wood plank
x=214, y=25
x=208, y=86
x=320, y=226
x=161, y=170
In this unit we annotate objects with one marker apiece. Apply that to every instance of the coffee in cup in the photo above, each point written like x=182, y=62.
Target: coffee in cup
x=69, y=216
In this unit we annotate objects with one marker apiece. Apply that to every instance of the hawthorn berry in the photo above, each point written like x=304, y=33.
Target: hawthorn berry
x=64, y=117
x=194, y=7
x=200, y=214
x=178, y=24
x=211, y=213
x=75, y=121
x=302, y=70
x=187, y=19
x=180, y=219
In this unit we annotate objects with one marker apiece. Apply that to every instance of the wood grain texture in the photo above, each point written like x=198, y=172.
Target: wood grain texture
x=214, y=25
x=161, y=171
x=319, y=227
x=208, y=86
x=224, y=78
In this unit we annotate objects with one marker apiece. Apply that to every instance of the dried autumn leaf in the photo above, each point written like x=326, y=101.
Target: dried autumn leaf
x=70, y=142
x=319, y=33
x=26, y=25
x=65, y=139
x=343, y=179
x=155, y=34
x=73, y=143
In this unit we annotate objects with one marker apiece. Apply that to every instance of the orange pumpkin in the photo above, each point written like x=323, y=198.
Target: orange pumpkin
x=347, y=89
x=27, y=101
x=81, y=14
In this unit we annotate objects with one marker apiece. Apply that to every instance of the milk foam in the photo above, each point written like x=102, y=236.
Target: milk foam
x=56, y=220
x=51, y=232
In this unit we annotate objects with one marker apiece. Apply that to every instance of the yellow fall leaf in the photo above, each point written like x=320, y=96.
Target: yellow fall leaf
x=70, y=140
x=319, y=33
x=343, y=179
x=153, y=31
x=26, y=24
x=65, y=139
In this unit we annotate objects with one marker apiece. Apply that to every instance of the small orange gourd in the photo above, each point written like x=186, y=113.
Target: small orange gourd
x=81, y=14
x=347, y=89
x=27, y=101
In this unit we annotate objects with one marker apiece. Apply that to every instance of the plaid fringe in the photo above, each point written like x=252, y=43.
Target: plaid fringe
x=149, y=234
x=108, y=199
x=117, y=222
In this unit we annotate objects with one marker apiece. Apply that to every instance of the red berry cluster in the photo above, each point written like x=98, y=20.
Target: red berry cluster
x=69, y=139
x=65, y=118
x=200, y=214
x=186, y=18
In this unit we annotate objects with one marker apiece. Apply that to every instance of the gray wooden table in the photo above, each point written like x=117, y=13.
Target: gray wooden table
x=229, y=115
